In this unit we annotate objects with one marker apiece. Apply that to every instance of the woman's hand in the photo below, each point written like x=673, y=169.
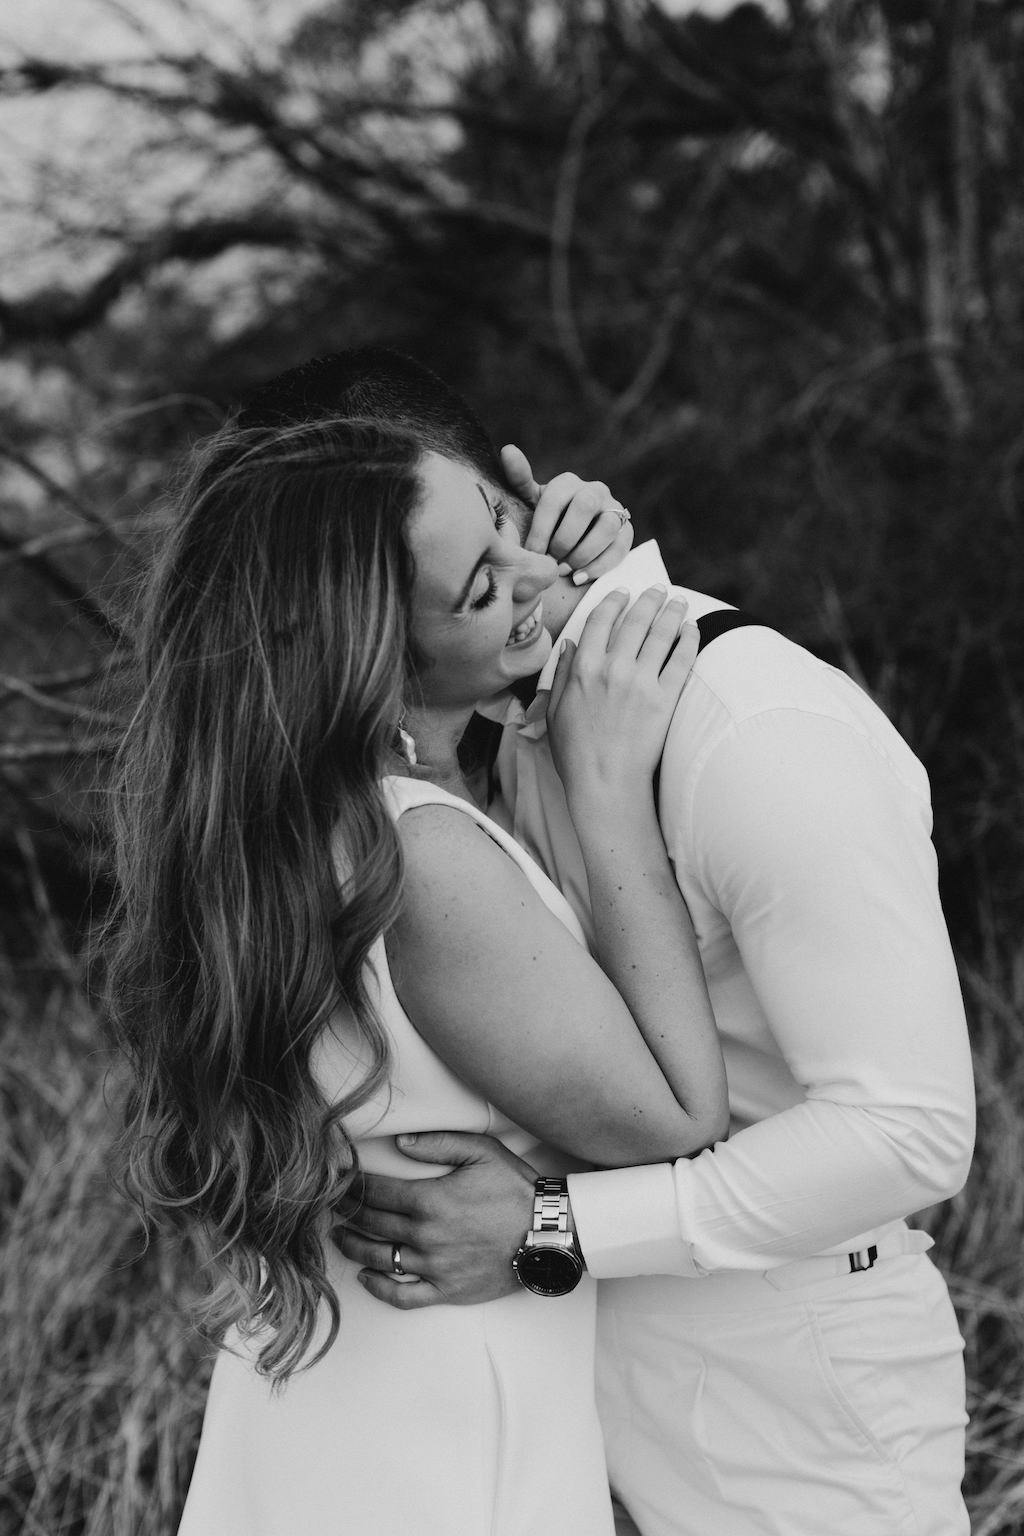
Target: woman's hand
x=577, y=521
x=613, y=696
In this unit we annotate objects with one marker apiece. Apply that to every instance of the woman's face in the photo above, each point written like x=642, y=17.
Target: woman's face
x=476, y=603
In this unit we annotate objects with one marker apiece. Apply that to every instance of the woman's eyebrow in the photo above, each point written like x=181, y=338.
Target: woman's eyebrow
x=487, y=500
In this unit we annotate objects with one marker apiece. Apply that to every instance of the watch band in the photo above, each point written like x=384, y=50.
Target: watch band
x=548, y=1262
x=551, y=1205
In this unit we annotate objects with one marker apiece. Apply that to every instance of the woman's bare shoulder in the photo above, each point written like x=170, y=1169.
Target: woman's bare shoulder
x=444, y=846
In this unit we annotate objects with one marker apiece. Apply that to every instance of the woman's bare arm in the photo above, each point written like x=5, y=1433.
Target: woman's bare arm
x=509, y=999
x=499, y=986
x=608, y=715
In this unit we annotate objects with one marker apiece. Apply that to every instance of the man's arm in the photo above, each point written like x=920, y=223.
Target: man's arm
x=821, y=861
x=818, y=855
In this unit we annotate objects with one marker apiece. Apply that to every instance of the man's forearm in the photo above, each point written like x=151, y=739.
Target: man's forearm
x=809, y=1179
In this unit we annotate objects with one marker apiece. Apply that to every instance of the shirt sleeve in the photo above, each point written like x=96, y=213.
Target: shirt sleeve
x=818, y=854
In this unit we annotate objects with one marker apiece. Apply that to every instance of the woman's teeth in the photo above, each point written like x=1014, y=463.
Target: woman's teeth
x=527, y=629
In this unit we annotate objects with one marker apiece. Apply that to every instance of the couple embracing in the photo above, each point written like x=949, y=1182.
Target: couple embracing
x=623, y=1035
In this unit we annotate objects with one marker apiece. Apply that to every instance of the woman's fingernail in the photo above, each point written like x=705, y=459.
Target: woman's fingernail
x=564, y=568
x=580, y=578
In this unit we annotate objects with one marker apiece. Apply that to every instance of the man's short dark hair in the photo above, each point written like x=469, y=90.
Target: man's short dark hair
x=380, y=385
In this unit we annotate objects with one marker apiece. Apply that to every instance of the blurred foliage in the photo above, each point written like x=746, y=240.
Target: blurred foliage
x=759, y=271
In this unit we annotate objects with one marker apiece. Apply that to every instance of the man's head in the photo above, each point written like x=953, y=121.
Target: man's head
x=379, y=385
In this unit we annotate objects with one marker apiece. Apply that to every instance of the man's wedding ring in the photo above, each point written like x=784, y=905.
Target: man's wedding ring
x=396, y=1260
x=622, y=513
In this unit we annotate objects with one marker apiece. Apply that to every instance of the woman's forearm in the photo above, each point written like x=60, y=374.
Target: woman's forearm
x=647, y=947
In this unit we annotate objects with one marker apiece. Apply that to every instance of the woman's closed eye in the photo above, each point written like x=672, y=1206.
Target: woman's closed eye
x=501, y=519
x=490, y=592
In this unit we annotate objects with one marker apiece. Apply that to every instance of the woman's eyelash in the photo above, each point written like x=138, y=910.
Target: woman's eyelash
x=486, y=598
x=501, y=517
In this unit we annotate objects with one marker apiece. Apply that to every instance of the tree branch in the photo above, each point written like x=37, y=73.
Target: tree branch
x=681, y=296
x=22, y=689
x=31, y=549
x=63, y=585
x=61, y=314
x=563, y=217
x=76, y=677
x=51, y=749
x=90, y=515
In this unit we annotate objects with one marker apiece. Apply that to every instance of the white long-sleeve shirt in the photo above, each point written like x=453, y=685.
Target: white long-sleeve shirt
x=798, y=824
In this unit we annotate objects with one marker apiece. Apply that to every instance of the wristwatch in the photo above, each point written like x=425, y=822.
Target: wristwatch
x=548, y=1262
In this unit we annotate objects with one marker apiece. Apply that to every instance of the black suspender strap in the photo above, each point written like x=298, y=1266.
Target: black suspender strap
x=711, y=625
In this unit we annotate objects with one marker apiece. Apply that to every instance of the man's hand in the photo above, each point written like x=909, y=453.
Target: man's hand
x=577, y=521
x=457, y=1233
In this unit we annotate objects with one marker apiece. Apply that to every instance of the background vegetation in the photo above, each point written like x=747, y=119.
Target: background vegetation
x=758, y=269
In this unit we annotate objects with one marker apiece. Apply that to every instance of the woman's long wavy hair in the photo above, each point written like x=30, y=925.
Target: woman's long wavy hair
x=275, y=646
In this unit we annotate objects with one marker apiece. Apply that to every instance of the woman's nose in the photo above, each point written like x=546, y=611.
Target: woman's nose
x=533, y=573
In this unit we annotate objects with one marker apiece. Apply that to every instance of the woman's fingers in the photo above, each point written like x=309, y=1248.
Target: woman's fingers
x=680, y=662
x=577, y=521
x=564, y=511
x=563, y=666
x=601, y=535
x=661, y=639
x=574, y=520
x=612, y=556
x=645, y=632
x=519, y=474
x=596, y=635
x=589, y=521
x=649, y=629
x=634, y=629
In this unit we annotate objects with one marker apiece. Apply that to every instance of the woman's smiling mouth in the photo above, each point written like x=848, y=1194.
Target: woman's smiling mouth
x=527, y=631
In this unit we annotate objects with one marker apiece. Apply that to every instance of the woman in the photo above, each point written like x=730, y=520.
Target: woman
x=324, y=943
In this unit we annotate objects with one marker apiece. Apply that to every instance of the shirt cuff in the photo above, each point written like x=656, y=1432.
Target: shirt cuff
x=627, y=1223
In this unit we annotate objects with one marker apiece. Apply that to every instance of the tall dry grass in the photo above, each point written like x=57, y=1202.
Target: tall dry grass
x=104, y=1382
x=103, y=1379
x=980, y=1243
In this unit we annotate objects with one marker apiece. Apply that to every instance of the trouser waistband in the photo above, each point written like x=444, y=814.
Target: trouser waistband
x=740, y=1290
x=824, y=1266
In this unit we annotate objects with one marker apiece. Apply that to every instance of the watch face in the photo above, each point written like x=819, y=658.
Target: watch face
x=549, y=1271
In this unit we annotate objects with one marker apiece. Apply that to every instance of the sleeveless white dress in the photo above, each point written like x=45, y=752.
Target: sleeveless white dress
x=448, y=1421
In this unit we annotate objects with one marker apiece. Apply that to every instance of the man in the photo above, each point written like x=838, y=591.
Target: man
x=776, y=1354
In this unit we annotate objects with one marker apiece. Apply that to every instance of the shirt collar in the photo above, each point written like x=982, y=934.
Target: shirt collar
x=643, y=567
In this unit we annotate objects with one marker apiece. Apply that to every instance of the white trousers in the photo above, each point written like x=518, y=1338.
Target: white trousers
x=739, y=1405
